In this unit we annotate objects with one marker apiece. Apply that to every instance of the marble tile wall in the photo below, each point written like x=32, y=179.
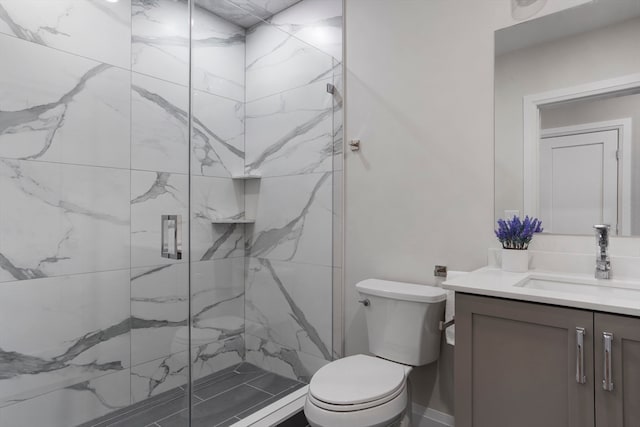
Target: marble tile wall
x=159, y=295
x=93, y=149
x=65, y=211
x=293, y=140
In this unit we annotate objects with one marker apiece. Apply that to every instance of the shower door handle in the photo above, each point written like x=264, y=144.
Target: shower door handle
x=171, y=244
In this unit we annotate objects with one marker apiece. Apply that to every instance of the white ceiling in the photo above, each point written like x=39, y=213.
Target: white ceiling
x=245, y=13
x=566, y=23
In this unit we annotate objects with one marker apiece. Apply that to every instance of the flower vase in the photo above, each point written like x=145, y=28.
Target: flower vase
x=515, y=260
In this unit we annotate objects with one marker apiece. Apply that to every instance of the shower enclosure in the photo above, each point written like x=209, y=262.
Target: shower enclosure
x=170, y=207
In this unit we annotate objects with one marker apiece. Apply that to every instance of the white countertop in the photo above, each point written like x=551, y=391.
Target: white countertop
x=611, y=296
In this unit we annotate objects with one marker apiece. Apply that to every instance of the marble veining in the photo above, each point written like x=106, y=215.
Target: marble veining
x=160, y=129
x=157, y=376
x=160, y=47
x=212, y=199
x=292, y=132
x=152, y=195
x=160, y=312
x=67, y=341
x=296, y=224
x=160, y=39
x=159, y=125
x=228, y=242
x=171, y=371
x=218, y=296
x=91, y=151
x=45, y=111
x=293, y=309
x=277, y=61
x=51, y=219
x=159, y=308
x=316, y=22
x=82, y=402
x=218, y=135
x=218, y=55
x=286, y=303
x=281, y=360
x=61, y=24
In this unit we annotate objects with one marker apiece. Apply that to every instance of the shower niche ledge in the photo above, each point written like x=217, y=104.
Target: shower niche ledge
x=234, y=221
x=247, y=176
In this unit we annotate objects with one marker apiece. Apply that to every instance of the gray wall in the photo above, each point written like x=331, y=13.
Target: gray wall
x=419, y=191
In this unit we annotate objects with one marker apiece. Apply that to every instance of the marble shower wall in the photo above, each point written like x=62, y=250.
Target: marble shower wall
x=293, y=140
x=65, y=212
x=93, y=149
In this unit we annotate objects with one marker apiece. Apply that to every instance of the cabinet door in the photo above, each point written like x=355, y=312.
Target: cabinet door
x=617, y=405
x=516, y=364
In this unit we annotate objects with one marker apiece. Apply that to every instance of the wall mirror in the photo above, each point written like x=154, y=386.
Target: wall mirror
x=567, y=119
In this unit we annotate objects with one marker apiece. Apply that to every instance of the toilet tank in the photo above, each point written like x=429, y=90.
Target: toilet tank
x=403, y=320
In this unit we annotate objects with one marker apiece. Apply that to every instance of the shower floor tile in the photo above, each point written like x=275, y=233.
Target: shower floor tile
x=220, y=399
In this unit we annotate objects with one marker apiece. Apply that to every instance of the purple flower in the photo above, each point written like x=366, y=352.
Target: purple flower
x=516, y=233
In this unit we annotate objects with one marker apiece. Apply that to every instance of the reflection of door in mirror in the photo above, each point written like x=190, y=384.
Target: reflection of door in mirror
x=571, y=68
x=578, y=180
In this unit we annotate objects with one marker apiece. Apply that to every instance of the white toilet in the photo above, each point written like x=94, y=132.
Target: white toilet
x=366, y=391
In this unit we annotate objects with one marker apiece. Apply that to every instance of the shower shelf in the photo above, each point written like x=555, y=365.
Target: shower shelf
x=250, y=176
x=233, y=221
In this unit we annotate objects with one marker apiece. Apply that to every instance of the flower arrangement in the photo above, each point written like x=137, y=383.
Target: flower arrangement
x=516, y=233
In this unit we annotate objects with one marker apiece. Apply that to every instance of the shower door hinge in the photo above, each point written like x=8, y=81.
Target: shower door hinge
x=331, y=89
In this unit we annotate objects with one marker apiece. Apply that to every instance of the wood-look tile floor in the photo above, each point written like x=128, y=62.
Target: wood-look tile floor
x=220, y=399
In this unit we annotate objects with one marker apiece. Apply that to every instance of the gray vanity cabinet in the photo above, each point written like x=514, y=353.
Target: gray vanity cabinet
x=618, y=368
x=522, y=364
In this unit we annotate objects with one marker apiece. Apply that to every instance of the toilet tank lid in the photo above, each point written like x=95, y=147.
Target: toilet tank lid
x=401, y=291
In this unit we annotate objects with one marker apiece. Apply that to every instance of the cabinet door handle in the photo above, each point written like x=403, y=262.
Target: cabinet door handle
x=607, y=340
x=581, y=378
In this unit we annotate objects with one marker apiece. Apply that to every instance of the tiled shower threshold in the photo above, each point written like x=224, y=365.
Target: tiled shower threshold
x=242, y=394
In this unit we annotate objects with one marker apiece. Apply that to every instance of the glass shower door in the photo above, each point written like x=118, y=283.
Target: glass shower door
x=263, y=146
x=94, y=150
x=128, y=127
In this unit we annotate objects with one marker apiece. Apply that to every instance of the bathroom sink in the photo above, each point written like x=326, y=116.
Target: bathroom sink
x=584, y=286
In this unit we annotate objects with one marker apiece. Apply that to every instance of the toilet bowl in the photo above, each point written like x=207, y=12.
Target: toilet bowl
x=374, y=391
x=358, y=391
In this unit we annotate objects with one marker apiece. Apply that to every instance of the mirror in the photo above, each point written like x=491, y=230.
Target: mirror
x=567, y=119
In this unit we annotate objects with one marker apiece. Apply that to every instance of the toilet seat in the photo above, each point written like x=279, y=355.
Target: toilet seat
x=356, y=383
x=356, y=406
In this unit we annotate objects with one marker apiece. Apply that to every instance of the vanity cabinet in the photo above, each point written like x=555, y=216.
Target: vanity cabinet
x=530, y=365
x=620, y=406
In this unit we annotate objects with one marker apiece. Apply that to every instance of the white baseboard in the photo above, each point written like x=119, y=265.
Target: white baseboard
x=427, y=417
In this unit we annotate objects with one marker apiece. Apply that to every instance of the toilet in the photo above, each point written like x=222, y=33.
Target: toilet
x=374, y=391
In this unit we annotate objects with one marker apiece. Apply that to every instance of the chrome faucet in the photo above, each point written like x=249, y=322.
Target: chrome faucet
x=603, y=265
